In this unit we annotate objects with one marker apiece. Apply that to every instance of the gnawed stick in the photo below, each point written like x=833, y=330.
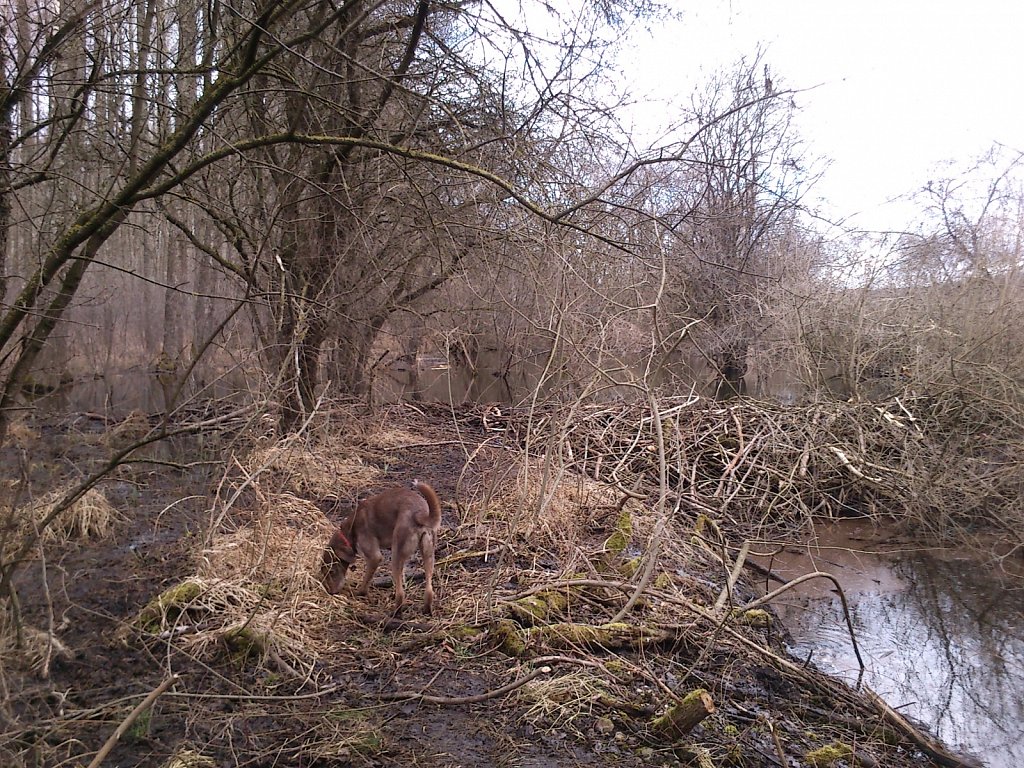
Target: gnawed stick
x=683, y=716
x=930, y=746
x=733, y=576
x=145, y=704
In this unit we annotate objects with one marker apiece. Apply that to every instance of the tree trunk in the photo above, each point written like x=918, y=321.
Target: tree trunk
x=732, y=368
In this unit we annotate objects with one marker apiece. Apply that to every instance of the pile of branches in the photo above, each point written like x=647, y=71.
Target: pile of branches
x=762, y=464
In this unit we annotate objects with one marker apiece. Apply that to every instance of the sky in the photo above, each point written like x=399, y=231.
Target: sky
x=891, y=89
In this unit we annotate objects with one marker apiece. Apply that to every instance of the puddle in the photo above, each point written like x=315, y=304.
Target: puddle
x=941, y=633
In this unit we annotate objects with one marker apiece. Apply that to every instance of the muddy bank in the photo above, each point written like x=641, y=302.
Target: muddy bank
x=572, y=618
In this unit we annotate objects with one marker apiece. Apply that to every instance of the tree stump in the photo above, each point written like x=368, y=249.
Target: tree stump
x=682, y=717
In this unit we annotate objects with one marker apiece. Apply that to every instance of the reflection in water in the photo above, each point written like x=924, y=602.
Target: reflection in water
x=433, y=380
x=943, y=638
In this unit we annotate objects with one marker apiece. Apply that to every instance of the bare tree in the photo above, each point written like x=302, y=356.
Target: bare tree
x=740, y=194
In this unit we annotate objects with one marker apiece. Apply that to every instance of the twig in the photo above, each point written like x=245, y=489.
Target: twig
x=730, y=582
x=928, y=745
x=145, y=704
x=404, y=695
x=654, y=546
x=842, y=598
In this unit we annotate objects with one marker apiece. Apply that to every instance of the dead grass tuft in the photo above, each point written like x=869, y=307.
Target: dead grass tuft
x=551, y=510
x=281, y=544
x=37, y=651
x=90, y=518
x=324, y=471
x=22, y=434
x=131, y=429
x=256, y=596
x=562, y=701
x=188, y=758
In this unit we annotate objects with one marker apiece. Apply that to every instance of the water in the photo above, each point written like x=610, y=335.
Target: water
x=941, y=633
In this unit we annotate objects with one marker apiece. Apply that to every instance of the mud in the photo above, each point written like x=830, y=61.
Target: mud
x=236, y=713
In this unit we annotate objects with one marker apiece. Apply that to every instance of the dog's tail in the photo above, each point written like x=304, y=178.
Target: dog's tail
x=433, y=521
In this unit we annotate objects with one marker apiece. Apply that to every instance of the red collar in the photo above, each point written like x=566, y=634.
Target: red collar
x=344, y=538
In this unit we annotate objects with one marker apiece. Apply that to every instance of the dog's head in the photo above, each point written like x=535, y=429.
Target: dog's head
x=339, y=555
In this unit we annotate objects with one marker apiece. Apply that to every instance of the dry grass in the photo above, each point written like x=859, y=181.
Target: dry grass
x=37, y=651
x=255, y=599
x=331, y=469
x=132, y=428
x=551, y=509
x=562, y=701
x=281, y=544
x=90, y=518
x=22, y=434
x=259, y=573
x=187, y=758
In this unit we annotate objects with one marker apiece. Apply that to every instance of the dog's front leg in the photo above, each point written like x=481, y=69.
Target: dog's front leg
x=373, y=560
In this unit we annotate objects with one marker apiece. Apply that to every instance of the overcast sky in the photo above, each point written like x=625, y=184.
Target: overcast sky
x=897, y=86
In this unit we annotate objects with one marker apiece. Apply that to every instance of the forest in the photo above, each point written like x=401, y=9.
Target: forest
x=235, y=239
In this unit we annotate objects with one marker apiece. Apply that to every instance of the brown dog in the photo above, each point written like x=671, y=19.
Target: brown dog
x=398, y=519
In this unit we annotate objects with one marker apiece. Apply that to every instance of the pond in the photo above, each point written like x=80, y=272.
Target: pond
x=941, y=632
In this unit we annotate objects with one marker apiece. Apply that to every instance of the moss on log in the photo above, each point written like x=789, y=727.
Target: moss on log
x=542, y=607
x=618, y=541
x=755, y=617
x=829, y=755
x=683, y=716
x=594, y=637
x=167, y=606
x=510, y=638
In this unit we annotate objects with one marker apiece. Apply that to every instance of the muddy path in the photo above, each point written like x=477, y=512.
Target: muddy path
x=332, y=682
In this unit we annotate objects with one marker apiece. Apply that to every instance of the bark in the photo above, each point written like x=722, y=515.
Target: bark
x=685, y=715
x=732, y=368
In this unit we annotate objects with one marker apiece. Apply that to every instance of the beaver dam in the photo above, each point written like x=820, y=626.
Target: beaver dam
x=593, y=605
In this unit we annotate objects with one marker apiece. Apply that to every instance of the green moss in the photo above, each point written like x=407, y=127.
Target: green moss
x=167, y=606
x=734, y=755
x=670, y=722
x=663, y=581
x=598, y=637
x=368, y=743
x=140, y=728
x=511, y=639
x=755, y=617
x=619, y=540
x=464, y=632
x=618, y=668
x=245, y=642
x=829, y=754
x=360, y=737
x=630, y=567
x=540, y=608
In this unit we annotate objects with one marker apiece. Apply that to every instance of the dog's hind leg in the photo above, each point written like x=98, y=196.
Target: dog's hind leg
x=427, y=551
x=403, y=549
